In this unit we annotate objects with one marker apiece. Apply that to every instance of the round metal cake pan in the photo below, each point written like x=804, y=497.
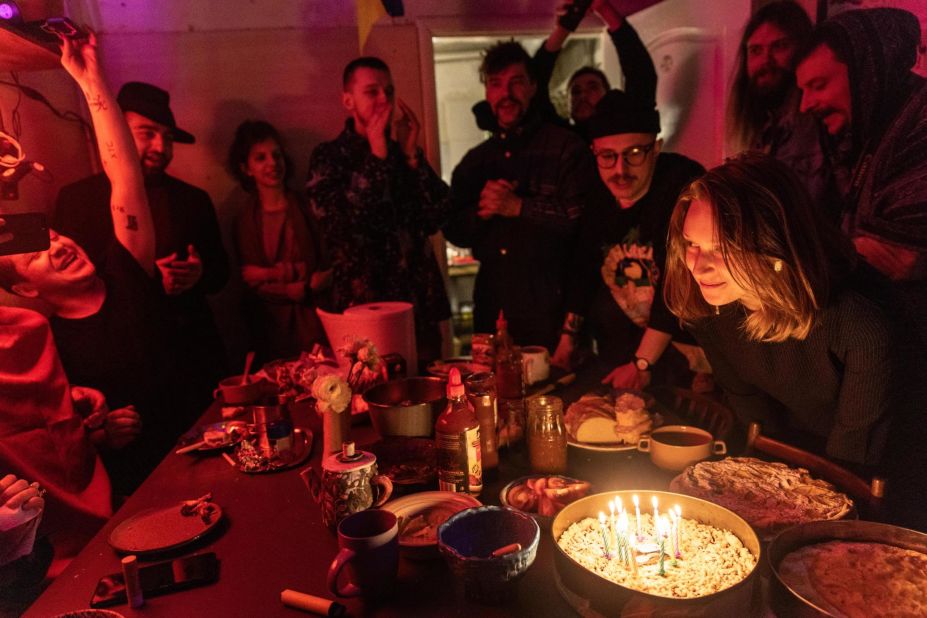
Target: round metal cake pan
x=787, y=602
x=608, y=598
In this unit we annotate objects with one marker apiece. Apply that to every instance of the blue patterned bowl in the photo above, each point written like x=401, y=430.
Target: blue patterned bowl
x=468, y=539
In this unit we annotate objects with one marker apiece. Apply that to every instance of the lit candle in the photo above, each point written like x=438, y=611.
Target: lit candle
x=656, y=516
x=611, y=507
x=623, y=528
x=678, y=526
x=618, y=505
x=633, y=552
x=659, y=528
x=673, y=530
x=604, y=533
x=637, y=515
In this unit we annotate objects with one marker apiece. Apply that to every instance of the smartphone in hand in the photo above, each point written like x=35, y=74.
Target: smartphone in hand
x=23, y=233
x=160, y=578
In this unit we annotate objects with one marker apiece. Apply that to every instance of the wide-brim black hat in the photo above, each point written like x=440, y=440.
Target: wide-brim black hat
x=152, y=103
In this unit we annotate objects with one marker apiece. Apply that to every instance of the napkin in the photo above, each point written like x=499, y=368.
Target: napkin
x=17, y=532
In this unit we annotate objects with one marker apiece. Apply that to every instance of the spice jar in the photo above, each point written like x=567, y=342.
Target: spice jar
x=547, y=437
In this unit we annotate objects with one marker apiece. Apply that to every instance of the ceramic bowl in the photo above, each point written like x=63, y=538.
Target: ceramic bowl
x=406, y=407
x=468, y=539
x=543, y=520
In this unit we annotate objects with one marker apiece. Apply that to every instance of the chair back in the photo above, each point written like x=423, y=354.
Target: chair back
x=869, y=493
x=703, y=411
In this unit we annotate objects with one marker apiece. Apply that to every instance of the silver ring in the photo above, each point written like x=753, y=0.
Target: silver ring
x=39, y=490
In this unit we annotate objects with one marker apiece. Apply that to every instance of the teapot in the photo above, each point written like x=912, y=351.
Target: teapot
x=349, y=484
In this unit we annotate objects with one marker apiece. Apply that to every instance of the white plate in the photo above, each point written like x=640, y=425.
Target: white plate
x=613, y=447
x=413, y=504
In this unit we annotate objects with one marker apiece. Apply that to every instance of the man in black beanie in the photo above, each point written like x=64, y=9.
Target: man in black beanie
x=617, y=273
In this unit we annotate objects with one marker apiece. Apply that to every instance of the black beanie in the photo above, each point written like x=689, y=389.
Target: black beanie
x=617, y=112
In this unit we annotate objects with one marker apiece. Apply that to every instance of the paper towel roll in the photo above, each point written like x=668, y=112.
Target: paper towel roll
x=389, y=325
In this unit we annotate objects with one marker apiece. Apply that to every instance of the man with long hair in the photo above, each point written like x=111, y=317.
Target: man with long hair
x=763, y=112
x=856, y=78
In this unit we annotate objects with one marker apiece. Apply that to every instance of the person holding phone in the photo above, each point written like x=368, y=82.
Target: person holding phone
x=108, y=321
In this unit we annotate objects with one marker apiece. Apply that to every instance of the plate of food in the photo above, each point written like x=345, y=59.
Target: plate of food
x=162, y=529
x=611, y=422
x=249, y=459
x=543, y=496
x=213, y=437
x=420, y=515
x=466, y=366
x=770, y=496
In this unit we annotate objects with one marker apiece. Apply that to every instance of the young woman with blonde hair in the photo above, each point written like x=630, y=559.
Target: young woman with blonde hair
x=783, y=309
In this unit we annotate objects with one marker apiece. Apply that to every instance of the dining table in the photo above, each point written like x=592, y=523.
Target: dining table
x=271, y=536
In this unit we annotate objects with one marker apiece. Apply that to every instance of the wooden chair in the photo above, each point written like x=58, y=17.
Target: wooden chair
x=868, y=493
x=702, y=411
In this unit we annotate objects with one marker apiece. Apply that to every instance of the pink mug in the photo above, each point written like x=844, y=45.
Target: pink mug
x=369, y=554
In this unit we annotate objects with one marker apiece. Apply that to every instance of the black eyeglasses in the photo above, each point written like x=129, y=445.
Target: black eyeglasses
x=633, y=156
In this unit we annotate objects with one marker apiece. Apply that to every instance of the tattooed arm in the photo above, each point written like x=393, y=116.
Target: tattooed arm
x=129, y=203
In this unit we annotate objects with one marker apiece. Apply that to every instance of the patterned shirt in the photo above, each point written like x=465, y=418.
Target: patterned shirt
x=376, y=216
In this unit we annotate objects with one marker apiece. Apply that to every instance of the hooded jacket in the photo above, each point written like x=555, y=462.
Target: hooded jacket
x=888, y=195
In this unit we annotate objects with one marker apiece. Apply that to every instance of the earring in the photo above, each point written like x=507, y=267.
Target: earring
x=717, y=310
x=777, y=266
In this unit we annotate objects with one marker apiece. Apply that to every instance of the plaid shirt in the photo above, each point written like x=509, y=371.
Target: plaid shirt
x=376, y=216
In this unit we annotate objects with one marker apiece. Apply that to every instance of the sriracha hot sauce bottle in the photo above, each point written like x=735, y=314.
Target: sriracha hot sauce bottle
x=457, y=439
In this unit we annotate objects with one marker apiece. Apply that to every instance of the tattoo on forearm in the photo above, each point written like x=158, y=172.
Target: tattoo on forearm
x=117, y=208
x=96, y=102
x=111, y=149
x=131, y=223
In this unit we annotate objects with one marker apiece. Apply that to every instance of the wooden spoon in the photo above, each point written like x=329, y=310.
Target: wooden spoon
x=248, y=360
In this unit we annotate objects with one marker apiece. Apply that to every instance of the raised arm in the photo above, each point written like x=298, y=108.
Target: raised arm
x=640, y=76
x=129, y=204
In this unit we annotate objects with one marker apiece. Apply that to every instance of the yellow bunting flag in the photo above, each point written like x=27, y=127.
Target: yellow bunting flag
x=368, y=12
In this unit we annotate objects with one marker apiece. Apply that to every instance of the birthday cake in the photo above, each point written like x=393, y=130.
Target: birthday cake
x=703, y=561
x=771, y=496
x=851, y=578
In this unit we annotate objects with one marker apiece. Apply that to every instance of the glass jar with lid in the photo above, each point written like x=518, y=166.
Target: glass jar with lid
x=547, y=437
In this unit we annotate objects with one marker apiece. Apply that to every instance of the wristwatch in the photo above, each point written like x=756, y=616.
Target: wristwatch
x=642, y=364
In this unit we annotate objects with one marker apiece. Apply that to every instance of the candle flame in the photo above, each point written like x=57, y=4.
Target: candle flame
x=601, y=517
x=634, y=499
x=653, y=500
x=678, y=512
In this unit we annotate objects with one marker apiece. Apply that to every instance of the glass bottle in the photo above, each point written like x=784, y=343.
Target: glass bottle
x=457, y=441
x=481, y=391
x=547, y=437
x=510, y=385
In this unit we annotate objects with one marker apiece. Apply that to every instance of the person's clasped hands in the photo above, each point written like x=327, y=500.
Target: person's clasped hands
x=112, y=428
x=21, y=507
x=498, y=198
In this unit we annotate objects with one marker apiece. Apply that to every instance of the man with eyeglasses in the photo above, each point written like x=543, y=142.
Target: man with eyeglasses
x=617, y=273
x=763, y=108
x=516, y=200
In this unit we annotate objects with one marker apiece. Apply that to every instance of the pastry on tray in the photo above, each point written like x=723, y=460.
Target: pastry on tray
x=770, y=496
x=856, y=578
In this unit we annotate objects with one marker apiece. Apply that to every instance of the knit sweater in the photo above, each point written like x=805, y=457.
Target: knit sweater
x=839, y=384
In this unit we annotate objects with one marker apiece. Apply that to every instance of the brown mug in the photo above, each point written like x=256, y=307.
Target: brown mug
x=349, y=483
x=234, y=393
x=368, y=554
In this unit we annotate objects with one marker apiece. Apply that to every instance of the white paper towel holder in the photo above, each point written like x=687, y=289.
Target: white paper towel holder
x=343, y=328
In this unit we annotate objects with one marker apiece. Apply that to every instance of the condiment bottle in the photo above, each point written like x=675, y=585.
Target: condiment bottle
x=510, y=385
x=481, y=392
x=547, y=438
x=457, y=440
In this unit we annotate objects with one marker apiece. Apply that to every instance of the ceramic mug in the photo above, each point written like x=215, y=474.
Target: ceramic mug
x=676, y=447
x=368, y=554
x=536, y=359
x=234, y=393
x=347, y=485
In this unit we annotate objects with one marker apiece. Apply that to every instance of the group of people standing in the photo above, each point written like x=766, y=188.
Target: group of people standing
x=790, y=272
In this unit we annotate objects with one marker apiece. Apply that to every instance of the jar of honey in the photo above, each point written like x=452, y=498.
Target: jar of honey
x=547, y=436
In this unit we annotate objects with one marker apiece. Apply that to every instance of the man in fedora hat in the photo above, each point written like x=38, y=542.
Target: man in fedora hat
x=189, y=252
